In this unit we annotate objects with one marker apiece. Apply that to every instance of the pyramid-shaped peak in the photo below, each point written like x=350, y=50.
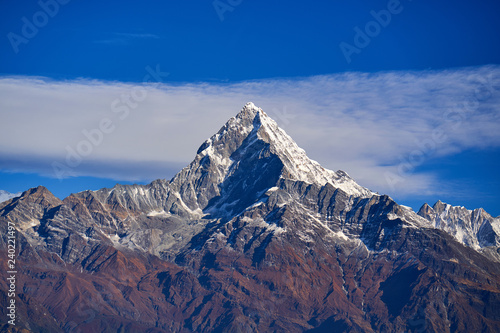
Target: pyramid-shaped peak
x=39, y=189
x=425, y=207
x=439, y=206
x=39, y=196
x=248, y=112
x=250, y=117
x=251, y=135
x=39, y=192
x=250, y=107
x=254, y=116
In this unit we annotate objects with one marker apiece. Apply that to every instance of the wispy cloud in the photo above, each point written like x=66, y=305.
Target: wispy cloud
x=369, y=125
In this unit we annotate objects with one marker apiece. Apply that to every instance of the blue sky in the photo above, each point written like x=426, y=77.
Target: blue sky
x=363, y=86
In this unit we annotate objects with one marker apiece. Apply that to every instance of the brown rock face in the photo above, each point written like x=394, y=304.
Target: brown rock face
x=242, y=240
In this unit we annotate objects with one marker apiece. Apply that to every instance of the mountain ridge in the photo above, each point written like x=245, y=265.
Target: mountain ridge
x=475, y=228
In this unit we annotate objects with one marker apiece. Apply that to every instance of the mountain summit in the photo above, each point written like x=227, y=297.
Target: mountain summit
x=251, y=236
x=255, y=135
x=246, y=157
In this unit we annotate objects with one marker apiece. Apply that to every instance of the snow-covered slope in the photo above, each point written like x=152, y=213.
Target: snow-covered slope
x=297, y=165
x=475, y=228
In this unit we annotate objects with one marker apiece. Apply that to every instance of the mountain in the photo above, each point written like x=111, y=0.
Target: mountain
x=475, y=228
x=4, y=195
x=251, y=236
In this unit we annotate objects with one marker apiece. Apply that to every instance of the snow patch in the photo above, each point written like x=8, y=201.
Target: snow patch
x=340, y=234
x=392, y=216
x=158, y=213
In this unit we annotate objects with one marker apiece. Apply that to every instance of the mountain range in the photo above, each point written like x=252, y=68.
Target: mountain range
x=251, y=236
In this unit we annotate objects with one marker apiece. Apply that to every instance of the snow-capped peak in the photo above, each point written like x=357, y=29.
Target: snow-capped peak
x=251, y=125
x=475, y=228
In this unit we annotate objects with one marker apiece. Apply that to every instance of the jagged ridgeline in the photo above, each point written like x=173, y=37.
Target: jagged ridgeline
x=251, y=236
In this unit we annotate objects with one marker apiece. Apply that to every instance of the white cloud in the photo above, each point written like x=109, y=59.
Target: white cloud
x=365, y=124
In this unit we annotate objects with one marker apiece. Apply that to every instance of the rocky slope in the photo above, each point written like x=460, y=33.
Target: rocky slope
x=252, y=236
